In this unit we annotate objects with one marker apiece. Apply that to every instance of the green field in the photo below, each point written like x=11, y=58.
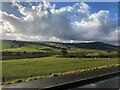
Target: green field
x=79, y=57
x=21, y=46
x=24, y=68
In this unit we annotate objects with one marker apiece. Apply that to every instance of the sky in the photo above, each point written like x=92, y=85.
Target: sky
x=60, y=21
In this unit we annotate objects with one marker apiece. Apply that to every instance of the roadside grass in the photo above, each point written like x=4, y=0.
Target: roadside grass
x=38, y=68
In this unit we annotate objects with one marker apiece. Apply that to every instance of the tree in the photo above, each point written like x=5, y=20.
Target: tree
x=13, y=43
x=64, y=52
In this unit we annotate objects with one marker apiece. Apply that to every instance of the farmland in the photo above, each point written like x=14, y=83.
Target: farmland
x=25, y=68
x=21, y=46
x=25, y=61
x=22, y=49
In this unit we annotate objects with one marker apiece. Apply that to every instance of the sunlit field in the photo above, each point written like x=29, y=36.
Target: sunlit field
x=25, y=68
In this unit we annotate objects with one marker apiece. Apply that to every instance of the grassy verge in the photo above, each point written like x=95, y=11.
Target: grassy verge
x=15, y=71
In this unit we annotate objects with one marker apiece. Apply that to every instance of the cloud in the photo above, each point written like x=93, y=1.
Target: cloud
x=97, y=27
x=45, y=22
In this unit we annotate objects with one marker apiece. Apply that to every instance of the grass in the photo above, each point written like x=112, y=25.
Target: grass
x=22, y=49
x=23, y=69
x=33, y=48
x=20, y=46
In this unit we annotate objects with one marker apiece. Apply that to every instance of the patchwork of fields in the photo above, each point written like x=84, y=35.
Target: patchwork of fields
x=25, y=61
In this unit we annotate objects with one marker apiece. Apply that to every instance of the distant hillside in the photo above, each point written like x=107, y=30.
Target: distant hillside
x=96, y=46
x=20, y=46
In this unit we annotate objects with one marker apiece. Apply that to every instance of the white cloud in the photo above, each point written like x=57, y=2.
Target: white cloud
x=45, y=22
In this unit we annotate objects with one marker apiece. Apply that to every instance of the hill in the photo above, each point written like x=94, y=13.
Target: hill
x=96, y=46
x=20, y=46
